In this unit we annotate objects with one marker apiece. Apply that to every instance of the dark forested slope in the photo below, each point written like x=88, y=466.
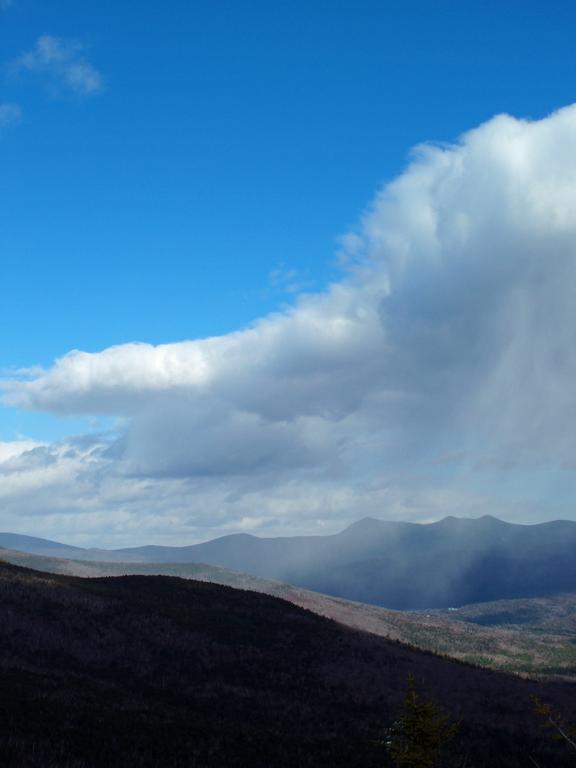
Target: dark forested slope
x=496, y=635
x=158, y=671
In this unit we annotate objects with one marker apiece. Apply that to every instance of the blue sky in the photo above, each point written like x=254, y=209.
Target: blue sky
x=201, y=174
x=232, y=139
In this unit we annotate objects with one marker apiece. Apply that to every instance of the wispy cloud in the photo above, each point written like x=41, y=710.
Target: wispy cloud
x=10, y=114
x=289, y=281
x=5, y=4
x=63, y=64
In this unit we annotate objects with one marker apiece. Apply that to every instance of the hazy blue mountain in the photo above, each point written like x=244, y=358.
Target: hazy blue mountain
x=398, y=565
x=38, y=546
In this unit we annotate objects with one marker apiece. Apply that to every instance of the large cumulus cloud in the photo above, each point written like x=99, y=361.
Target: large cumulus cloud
x=454, y=330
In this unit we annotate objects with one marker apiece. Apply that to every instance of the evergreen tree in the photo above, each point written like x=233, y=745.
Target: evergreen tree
x=416, y=739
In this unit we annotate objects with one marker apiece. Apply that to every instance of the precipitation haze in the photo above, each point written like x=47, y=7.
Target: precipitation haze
x=435, y=377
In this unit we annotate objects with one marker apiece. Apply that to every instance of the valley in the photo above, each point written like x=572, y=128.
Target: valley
x=495, y=635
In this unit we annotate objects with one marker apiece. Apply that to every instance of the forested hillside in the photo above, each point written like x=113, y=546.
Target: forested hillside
x=158, y=671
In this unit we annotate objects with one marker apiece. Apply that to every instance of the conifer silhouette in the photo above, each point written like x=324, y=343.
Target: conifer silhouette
x=416, y=739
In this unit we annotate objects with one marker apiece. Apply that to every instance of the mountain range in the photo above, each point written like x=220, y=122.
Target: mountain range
x=398, y=565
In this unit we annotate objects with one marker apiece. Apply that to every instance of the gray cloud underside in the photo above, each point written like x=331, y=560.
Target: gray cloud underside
x=453, y=332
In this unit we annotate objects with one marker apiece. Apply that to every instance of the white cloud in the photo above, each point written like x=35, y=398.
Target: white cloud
x=10, y=114
x=453, y=331
x=63, y=64
x=15, y=449
x=4, y=4
x=77, y=493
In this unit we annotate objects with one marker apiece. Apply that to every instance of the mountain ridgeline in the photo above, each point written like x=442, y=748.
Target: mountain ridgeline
x=397, y=565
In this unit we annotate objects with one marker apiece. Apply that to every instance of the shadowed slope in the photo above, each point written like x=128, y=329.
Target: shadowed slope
x=542, y=647
x=150, y=671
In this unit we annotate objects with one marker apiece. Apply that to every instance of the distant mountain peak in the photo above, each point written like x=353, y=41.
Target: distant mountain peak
x=484, y=519
x=365, y=523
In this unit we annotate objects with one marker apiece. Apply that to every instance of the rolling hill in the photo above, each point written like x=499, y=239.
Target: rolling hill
x=158, y=671
x=483, y=634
